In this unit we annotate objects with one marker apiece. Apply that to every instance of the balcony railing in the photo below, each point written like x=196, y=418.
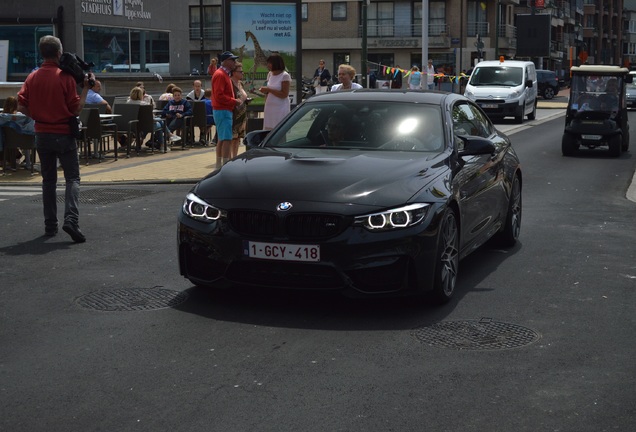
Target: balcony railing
x=404, y=31
x=208, y=33
x=481, y=28
x=507, y=31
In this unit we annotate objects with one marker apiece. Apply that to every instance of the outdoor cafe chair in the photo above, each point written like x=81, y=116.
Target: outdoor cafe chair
x=148, y=124
x=126, y=118
x=95, y=132
x=199, y=120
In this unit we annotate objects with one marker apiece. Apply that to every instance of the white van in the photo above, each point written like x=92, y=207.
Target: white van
x=504, y=89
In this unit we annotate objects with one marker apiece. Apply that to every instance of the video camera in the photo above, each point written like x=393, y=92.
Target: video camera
x=76, y=67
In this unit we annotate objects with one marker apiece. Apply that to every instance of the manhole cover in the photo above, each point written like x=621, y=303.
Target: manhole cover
x=484, y=334
x=105, y=196
x=139, y=299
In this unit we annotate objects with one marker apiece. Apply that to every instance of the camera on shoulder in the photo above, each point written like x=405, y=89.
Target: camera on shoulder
x=76, y=67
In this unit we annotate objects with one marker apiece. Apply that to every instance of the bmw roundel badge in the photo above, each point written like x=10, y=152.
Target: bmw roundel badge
x=284, y=206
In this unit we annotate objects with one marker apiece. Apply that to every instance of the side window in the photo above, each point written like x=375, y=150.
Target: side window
x=468, y=120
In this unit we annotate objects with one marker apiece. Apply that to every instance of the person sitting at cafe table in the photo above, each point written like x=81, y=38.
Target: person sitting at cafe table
x=137, y=97
x=175, y=111
x=20, y=123
x=147, y=98
x=93, y=96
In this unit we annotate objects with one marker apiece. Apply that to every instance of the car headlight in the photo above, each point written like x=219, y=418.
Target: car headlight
x=402, y=217
x=199, y=210
x=515, y=94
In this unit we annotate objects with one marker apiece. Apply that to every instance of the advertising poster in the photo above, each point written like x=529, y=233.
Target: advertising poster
x=259, y=29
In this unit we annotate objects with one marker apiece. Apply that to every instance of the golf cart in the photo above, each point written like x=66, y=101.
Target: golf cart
x=597, y=112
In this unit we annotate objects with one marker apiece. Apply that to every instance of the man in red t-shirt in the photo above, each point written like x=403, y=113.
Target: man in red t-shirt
x=223, y=103
x=49, y=96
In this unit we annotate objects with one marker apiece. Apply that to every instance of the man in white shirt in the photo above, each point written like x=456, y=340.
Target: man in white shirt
x=430, y=75
x=197, y=93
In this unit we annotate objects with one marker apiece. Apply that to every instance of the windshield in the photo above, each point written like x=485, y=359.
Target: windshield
x=367, y=125
x=497, y=76
x=595, y=93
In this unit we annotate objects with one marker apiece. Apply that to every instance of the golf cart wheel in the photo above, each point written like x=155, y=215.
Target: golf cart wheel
x=625, y=145
x=615, y=144
x=568, y=145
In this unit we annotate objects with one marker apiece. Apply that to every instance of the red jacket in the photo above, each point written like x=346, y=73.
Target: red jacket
x=222, y=91
x=51, y=97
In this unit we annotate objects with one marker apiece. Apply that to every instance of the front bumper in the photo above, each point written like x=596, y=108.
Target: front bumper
x=496, y=108
x=355, y=262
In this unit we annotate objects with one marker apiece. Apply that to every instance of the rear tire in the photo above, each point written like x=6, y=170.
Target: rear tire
x=625, y=145
x=568, y=145
x=548, y=93
x=447, y=266
x=615, y=144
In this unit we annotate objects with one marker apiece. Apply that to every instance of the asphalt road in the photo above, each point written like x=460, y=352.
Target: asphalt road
x=176, y=358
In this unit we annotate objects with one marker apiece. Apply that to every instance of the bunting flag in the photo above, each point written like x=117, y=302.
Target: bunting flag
x=392, y=70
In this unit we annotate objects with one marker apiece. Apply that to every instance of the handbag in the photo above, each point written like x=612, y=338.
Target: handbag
x=74, y=125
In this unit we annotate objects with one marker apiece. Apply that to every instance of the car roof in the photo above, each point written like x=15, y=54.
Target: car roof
x=410, y=96
x=599, y=70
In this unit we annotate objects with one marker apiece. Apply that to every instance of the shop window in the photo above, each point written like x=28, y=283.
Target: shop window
x=24, y=54
x=127, y=50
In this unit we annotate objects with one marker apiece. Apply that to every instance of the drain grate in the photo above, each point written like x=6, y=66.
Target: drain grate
x=484, y=334
x=105, y=196
x=138, y=299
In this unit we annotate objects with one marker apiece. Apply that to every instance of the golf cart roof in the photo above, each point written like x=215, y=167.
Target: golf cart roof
x=599, y=70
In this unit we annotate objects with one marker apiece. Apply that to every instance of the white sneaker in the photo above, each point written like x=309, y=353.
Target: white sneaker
x=175, y=138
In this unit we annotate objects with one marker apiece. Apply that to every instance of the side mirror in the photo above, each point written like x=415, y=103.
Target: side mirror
x=255, y=138
x=629, y=78
x=529, y=83
x=474, y=145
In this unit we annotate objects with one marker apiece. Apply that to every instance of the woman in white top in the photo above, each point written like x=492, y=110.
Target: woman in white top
x=346, y=73
x=276, y=92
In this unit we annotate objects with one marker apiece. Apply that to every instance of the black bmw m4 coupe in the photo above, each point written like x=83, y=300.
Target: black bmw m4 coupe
x=367, y=192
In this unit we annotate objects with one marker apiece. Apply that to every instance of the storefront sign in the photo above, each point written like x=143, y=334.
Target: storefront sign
x=395, y=43
x=131, y=9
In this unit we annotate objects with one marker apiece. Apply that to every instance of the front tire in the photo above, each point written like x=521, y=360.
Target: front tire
x=447, y=266
x=625, y=146
x=510, y=233
x=533, y=114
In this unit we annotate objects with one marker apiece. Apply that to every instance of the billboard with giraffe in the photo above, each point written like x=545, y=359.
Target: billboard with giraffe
x=260, y=28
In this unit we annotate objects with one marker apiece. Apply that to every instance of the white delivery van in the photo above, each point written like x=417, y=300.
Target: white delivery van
x=504, y=89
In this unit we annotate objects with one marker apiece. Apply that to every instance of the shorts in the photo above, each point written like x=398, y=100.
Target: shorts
x=223, y=120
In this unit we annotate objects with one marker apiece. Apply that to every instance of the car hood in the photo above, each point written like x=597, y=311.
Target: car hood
x=495, y=92
x=379, y=179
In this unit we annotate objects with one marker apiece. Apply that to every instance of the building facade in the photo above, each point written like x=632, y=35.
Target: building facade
x=178, y=38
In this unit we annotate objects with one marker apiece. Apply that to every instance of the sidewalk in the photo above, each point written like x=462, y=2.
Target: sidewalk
x=176, y=166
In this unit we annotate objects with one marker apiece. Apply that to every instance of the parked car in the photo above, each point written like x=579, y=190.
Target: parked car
x=630, y=94
x=548, y=83
x=596, y=115
x=367, y=192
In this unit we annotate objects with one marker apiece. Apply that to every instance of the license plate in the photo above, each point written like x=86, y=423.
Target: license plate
x=282, y=251
x=489, y=106
x=591, y=137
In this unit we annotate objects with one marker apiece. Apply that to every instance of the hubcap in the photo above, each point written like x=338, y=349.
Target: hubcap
x=516, y=209
x=450, y=255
